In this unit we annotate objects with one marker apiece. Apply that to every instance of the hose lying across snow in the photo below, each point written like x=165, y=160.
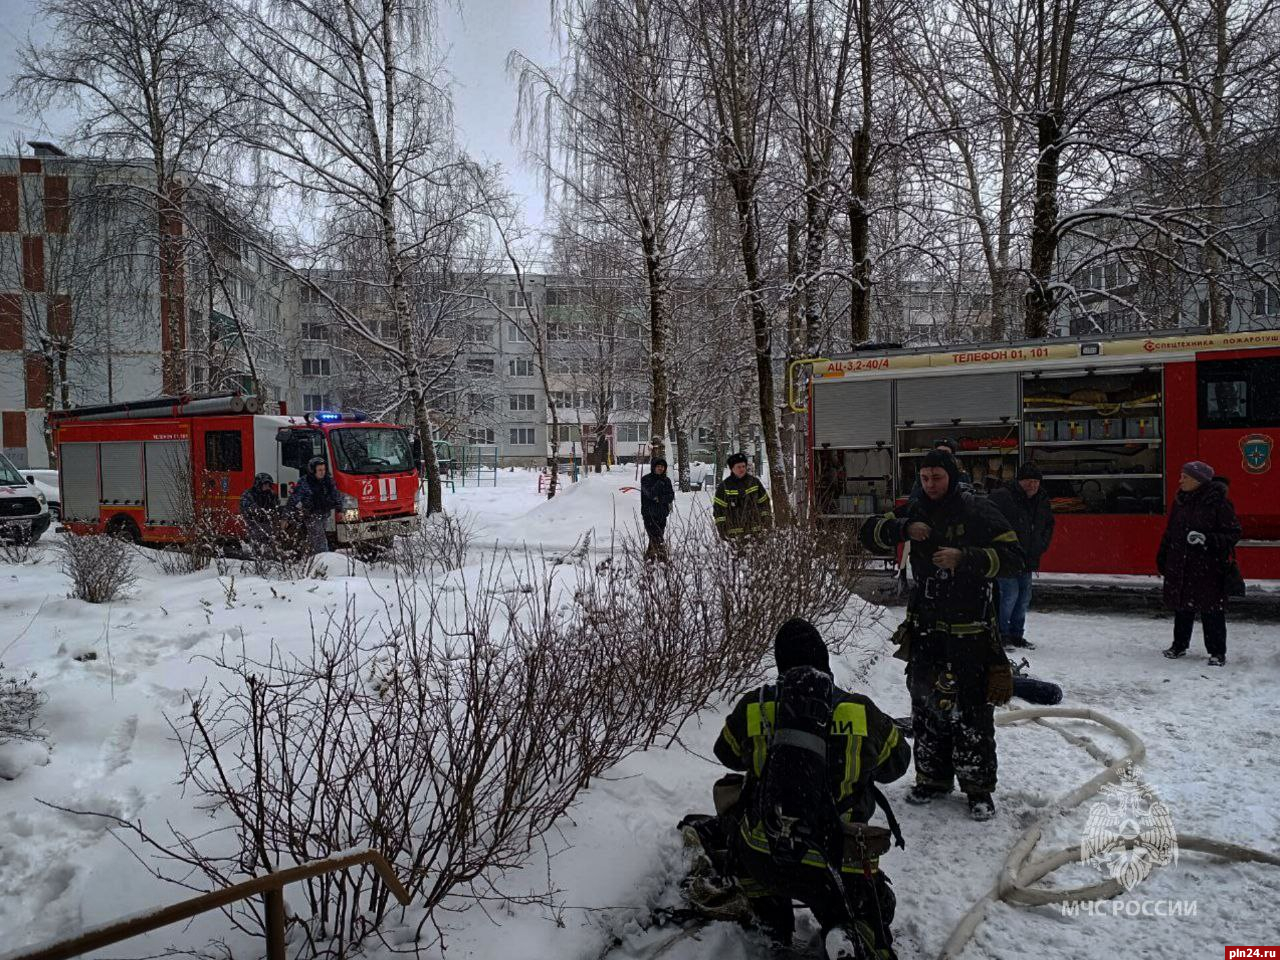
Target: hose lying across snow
x=1019, y=871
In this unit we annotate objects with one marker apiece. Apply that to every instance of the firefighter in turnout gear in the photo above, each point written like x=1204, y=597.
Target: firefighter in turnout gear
x=856, y=746
x=740, y=505
x=956, y=665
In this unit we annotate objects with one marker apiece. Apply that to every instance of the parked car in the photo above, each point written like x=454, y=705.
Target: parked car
x=24, y=510
x=46, y=481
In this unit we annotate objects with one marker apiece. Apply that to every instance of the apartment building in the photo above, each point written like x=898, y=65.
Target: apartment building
x=88, y=312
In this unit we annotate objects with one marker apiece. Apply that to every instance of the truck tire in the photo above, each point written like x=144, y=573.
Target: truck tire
x=123, y=527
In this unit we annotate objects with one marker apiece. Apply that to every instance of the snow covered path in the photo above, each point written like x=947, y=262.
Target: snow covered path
x=1211, y=737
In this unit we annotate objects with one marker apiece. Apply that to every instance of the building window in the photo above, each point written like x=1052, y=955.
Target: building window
x=568, y=433
x=522, y=437
x=1266, y=302
x=480, y=403
x=315, y=368
x=315, y=331
x=629, y=432
x=480, y=364
x=480, y=436
x=706, y=436
x=522, y=367
x=521, y=401
x=479, y=333
x=222, y=451
x=515, y=334
x=311, y=402
x=1267, y=241
x=311, y=295
x=517, y=298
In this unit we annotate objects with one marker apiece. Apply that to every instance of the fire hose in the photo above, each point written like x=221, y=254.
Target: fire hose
x=1019, y=871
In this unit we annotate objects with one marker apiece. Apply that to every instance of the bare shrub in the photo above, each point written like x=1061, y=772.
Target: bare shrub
x=100, y=567
x=15, y=544
x=20, y=702
x=283, y=554
x=203, y=527
x=699, y=625
x=438, y=546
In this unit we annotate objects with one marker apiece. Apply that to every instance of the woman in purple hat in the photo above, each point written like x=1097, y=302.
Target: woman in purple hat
x=1193, y=559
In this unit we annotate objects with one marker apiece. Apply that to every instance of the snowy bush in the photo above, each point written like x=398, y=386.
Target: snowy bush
x=699, y=626
x=19, y=704
x=15, y=546
x=439, y=545
x=100, y=567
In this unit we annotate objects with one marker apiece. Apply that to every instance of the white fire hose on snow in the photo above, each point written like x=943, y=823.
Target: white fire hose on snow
x=1020, y=871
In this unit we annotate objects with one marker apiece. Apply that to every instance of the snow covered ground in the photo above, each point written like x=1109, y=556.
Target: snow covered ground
x=112, y=674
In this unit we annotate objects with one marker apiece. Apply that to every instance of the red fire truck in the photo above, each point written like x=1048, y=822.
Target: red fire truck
x=137, y=469
x=1108, y=420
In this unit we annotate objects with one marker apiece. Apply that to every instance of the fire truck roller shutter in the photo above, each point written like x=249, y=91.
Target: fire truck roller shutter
x=78, y=471
x=121, y=473
x=973, y=397
x=168, y=467
x=852, y=414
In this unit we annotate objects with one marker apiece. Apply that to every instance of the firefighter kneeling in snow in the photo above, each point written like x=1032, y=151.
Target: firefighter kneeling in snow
x=797, y=830
x=315, y=496
x=956, y=665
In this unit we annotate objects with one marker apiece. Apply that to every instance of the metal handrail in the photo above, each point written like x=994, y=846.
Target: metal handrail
x=270, y=886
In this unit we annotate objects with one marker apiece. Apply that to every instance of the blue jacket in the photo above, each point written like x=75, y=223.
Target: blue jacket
x=315, y=496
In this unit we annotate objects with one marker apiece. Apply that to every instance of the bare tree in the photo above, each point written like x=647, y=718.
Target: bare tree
x=346, y=106
x=149, y=79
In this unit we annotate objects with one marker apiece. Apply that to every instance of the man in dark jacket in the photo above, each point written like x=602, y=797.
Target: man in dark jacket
x=1194, y=554
x=315, y=496
x=863, y=747
x=260, y=511
x=1026, y=506
x=656, y=497
x=741, y=504
x=956, y=666
x=950, y=447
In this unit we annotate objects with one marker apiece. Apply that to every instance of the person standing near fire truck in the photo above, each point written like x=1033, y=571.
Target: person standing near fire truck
x=315, y=496
x=956, y=665
x=1194, y=557
x=740, y=506
x=1025, y=504
x=260, y=511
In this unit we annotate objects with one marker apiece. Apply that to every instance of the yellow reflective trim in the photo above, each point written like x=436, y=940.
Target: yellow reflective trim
x=752, y=489
x=731, y=493
x=993, y=561
x=890, y=742
x=721, y=519
x=718, y=502
x=756, y=732
x=1007, y=537
x=849, y=720
x=731, y=740
x=875, y=533
x=756, y=840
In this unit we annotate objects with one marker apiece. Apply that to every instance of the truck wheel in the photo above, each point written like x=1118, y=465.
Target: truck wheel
x=123, y=528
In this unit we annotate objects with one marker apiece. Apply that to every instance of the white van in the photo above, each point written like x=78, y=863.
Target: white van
x=24, y=510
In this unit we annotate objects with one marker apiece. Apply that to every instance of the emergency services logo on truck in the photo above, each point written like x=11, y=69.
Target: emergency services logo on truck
x=1129, y=832
x=1256, y=449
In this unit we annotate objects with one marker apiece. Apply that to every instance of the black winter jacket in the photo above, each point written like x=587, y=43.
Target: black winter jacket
x=258, y=509
x=656, y=494
x=956, y=602
x=741, y=506
x=315, y=496
x=1194, y=576
x=859, y=732
x=1030, y=517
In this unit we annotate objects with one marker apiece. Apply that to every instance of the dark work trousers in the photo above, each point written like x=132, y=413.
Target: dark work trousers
x=1214, y=623
x=953, y=726
x=771, y=887
x=657, y=531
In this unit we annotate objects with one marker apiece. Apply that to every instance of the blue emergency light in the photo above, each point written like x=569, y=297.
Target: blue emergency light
x=330, y=416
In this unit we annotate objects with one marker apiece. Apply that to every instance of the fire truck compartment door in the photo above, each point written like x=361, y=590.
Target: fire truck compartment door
x=168, y=472
x=981, y=397
x=122, y=472
x=78, y=471
x=852, y=414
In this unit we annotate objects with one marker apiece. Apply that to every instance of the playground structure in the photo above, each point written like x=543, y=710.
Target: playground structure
x=457, y=463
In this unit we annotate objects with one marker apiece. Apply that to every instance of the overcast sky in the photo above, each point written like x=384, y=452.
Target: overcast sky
x=478, y=39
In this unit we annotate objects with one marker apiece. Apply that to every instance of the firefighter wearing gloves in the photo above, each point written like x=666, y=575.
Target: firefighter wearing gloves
x=315, y=496
x=740, y=505
x=956, y=665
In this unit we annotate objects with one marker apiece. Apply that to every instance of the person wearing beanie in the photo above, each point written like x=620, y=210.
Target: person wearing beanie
x=1195, y=554
x=314, y=499
x=863, y=747
x=948, y=447
x=1025, y=504
x=957, y=668
x=656, y=498
x=740, y=505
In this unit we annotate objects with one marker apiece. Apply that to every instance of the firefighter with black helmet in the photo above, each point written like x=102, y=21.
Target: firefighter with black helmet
x=741, y=505
x=956, y=665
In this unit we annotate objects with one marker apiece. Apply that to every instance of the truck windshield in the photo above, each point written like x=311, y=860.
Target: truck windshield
x=9, y=475
x=371, y=450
